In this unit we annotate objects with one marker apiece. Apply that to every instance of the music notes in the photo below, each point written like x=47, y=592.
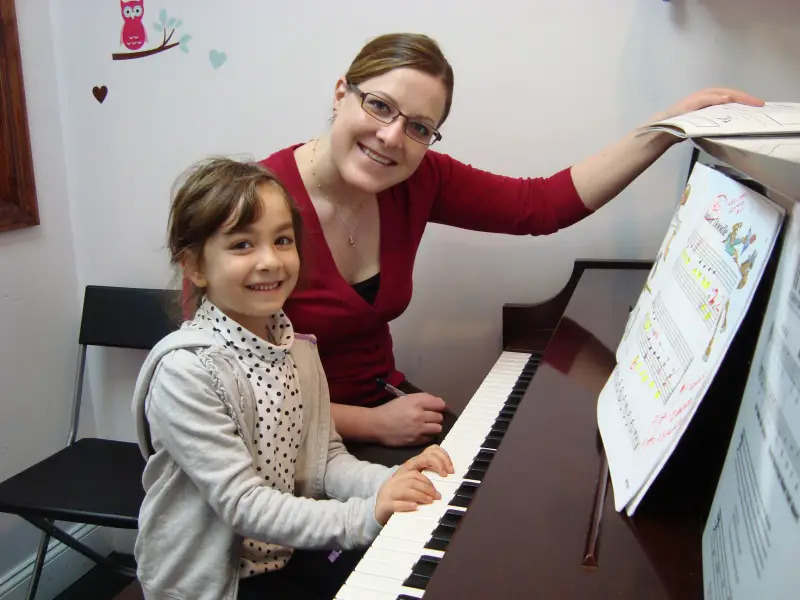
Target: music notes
x=705, y=278
x=696, y=295
x=757, y=501
x=664, y=356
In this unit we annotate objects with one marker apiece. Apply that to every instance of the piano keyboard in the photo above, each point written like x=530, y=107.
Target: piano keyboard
x=402, y=559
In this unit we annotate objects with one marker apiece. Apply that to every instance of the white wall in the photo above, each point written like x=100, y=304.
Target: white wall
x=539, y=85
x=38, y=292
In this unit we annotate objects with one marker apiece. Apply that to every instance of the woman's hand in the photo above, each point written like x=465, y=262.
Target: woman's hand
x=708, y=97
x=409, y=420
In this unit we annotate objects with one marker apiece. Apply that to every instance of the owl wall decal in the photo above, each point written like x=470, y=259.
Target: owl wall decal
x=133, y=34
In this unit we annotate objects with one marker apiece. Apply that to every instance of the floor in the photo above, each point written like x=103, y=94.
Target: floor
x=102, y=584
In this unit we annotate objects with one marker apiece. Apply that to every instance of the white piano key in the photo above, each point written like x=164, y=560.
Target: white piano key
x=381, y=584
x=413, y=520
x=393, y=570
x=403, y=533
x=407, y=546
x=402, y=540
x=350, y=592
x=392, y=556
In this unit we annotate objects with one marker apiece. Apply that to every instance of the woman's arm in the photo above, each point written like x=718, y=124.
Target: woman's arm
x=405, y=421
x=356, y=423
x=604, y=175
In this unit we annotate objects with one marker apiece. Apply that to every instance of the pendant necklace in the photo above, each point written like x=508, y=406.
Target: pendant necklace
x=348, y=229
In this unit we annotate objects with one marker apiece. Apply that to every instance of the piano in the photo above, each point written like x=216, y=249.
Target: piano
x=529, y=511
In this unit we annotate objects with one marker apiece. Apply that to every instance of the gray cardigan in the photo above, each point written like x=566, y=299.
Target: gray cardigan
x=195, y=415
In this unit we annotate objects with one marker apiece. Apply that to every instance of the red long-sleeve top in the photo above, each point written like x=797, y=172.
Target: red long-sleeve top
x=353, y=336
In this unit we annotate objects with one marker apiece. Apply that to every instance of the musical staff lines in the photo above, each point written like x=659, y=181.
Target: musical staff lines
x=720, y=572
x=705, y=278
x=624, y=408
x=755, y=517
x=782, y=445
x=794, y=295
x=664, y=351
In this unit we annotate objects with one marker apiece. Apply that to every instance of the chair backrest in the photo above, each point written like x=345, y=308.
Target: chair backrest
x=125, y=317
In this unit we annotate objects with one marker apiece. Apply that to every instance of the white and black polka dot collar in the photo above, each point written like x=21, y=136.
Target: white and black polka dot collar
x=252, y=349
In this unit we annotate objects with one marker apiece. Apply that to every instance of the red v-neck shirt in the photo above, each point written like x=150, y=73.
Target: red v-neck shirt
x=353, y=336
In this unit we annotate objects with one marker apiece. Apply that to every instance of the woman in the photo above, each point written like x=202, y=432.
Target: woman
x=368, y=187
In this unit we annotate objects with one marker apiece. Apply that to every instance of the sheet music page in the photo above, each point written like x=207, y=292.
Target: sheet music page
x=774, y=118
x=694, y=298
x=753, y=530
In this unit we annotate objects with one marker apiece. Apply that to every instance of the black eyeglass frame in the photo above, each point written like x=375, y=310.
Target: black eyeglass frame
x=437, y=137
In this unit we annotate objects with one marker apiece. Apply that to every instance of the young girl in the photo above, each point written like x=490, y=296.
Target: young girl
x=233, y=416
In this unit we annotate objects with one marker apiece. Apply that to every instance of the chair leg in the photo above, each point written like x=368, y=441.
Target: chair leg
x=37, y=566
x=63, y=537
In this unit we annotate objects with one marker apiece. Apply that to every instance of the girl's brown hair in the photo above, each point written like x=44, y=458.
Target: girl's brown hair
x=399, y=50
x=216, y=192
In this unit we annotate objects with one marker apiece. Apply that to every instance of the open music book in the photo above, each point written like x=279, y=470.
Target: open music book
x=754, y=523
x=695, y=297
x=774, y=118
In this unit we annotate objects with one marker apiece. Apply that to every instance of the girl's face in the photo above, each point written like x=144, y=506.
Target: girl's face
x=250, y=272
x=371, y=155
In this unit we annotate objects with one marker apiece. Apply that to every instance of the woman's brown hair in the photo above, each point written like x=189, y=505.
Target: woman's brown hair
x=403, y=50
x=216, y=192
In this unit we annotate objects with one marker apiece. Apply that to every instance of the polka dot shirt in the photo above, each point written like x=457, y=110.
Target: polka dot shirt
x=279, y=416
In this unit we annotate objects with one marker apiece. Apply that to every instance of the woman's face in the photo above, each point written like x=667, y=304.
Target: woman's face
x=371, y=155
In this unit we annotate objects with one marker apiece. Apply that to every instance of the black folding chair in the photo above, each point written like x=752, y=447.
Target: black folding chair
x=94, y=481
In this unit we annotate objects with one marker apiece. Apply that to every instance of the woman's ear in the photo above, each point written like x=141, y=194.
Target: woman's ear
x=339, y=92
x=192, y=268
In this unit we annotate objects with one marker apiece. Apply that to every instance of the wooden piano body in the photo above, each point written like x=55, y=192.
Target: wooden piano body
x=539, y=526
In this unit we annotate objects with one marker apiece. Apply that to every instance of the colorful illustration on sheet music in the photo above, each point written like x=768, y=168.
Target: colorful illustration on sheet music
x=703, y=278
x=672, y=231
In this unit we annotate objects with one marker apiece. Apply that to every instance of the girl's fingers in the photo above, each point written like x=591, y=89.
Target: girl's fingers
x=403, y=506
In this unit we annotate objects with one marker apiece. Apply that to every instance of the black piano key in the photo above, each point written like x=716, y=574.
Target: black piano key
x=498, y=435
x=451, y=518
x=485, y=455
x=479, y=465
x=467, y=489
x=490, y=442
x=416, y=581
x=502, y=418
x=464, y=494
x=425, y=566
x=437, y=544
x=474, y=474
x=501, y=424
x=508, y=412
x=443, y=532
x=462, y=501
x=514, y=400
x=405, y=597
x=519, y=387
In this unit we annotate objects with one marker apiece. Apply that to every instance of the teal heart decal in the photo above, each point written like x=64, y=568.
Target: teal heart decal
x=217, y=58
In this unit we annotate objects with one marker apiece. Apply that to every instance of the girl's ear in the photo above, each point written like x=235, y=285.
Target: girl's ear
x=191, y=266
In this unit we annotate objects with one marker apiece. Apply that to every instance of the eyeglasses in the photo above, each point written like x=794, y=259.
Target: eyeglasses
x=386, y=112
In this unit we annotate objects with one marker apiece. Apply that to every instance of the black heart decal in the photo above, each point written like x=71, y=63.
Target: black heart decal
x=100, y=93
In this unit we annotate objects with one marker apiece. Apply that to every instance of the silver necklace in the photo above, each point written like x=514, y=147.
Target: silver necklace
x=348, y=229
